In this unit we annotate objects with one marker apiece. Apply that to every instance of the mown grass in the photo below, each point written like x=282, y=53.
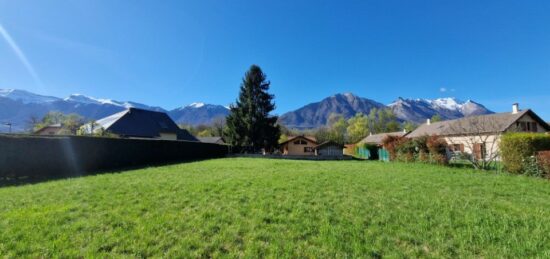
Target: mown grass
x=279, y=208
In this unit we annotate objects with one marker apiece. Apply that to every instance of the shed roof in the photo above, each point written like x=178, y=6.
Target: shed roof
x=210, y=139
x=329, y=143
x=378, y=138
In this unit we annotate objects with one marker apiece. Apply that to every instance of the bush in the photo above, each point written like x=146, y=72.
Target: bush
x=531, y=167
x=543, y=159
x=516, y=148
x=391, y=143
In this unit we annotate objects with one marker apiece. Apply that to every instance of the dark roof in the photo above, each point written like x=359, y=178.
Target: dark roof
x=378, y=138
x=311, y=139
x=135, y=122
x=210, y=139
x=329, y=143
x=57, y=126
x=482, y=124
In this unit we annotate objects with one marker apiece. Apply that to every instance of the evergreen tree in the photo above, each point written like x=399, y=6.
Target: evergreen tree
x=249, y=123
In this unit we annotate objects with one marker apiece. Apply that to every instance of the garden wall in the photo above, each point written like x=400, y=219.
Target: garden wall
x=37, y=157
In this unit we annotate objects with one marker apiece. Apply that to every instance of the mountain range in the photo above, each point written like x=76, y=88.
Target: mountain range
x=19, y=106
x=413, y=110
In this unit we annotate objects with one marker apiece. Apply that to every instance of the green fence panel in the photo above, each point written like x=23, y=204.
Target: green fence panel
x=383, y=155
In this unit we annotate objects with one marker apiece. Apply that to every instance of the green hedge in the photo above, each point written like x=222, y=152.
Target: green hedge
x=38, y=158
x=516, y=148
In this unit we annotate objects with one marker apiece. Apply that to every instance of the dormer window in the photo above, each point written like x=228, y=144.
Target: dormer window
x=300, y=142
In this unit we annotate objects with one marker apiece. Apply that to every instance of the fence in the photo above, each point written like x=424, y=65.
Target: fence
x=37, y=158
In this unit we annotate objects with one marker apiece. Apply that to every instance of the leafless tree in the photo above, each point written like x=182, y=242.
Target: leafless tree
x=32, y=123
x=218, y=126
x=480, y=135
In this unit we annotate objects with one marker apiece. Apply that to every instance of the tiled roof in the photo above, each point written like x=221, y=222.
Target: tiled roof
x=482, y=124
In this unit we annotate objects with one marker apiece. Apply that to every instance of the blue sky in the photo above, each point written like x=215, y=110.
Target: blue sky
x=172, y=53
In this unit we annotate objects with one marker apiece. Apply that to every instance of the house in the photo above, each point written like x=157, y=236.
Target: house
x=329, y=148
x=139, y=123
x=480, y=135
x=376, y=139
x=54, y=129
x=299, y=146
x=215, y=140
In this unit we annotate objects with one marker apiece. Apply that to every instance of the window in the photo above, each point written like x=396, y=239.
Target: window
x=309, y=149
x=527, y=126
x=300, y=142
x=457, y=147
x=480, y=151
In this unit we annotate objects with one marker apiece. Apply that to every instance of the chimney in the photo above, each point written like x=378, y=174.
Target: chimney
x=428, y=122
x=405, y=131
x=515, y=108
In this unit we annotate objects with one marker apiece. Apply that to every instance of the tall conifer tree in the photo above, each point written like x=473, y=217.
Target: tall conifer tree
x=249, y=122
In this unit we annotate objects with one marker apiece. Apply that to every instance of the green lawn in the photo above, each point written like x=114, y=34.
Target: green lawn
x=279, y=208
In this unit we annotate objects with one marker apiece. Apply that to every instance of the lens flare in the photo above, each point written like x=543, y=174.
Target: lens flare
x=13, y=45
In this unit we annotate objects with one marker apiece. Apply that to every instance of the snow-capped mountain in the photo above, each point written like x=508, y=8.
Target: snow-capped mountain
x=79, y=98
x=198, y=114
x=418, y=110
x=414, y=110
x=26, y=97
x=18, y=107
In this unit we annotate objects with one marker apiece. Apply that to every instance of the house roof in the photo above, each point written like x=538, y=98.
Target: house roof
x=308, y=138
x=378, y=138
x=328, y=143
x=135, y=122
x=482, y=124
x=210, y=139
x=52, y=126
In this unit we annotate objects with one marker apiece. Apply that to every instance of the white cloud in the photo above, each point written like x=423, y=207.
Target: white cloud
x=443, y=89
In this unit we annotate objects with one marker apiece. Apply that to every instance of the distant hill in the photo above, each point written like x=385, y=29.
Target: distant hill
x=316, y=114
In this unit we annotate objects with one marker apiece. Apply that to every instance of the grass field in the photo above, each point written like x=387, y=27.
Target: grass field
x=279, y=208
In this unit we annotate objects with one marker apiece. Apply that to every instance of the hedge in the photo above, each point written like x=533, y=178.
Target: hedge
x=41, y=158
x=516, y=148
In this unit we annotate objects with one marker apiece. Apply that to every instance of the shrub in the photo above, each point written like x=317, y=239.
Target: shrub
x=531, y=167
x=423, y=157
x=543, y=159
x=439, y=159
x=391, y=143
x=516, y=148
x=436, y=145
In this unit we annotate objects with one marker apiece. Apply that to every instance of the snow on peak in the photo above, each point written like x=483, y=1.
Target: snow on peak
x=26, y=97
x=79, y=98
x=447, y=103
x=196, y=105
